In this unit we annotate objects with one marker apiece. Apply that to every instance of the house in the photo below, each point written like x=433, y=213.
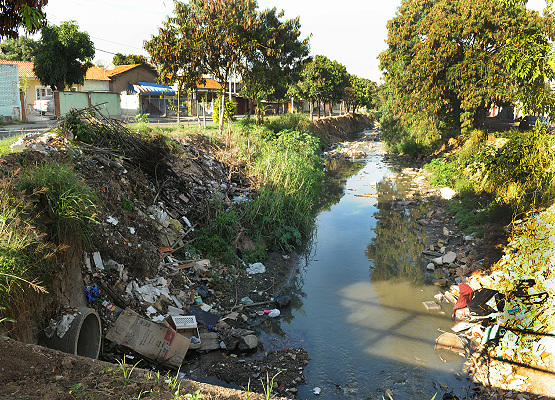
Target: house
x=96, y=80
x=208, y=92
x=121, y=75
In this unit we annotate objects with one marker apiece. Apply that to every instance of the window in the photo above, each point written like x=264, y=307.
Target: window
x=41, y=91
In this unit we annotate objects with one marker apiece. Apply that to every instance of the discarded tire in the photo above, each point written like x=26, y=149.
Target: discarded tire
x=83, y=336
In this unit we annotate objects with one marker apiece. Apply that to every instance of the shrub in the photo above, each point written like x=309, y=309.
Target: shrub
x=520, y=169
x=66, y=201
x=229, y=112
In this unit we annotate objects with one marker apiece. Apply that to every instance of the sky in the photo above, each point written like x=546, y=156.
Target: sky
x=352, y=32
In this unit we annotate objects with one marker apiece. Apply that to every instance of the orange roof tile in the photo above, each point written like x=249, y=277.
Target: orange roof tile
x=97, y=74
x=118, y=69
x=24, y=68
x=210, y=84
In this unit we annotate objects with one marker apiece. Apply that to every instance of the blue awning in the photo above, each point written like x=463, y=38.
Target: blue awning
x=150, y=88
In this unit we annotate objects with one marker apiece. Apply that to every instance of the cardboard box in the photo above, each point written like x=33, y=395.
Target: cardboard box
x=154, y=341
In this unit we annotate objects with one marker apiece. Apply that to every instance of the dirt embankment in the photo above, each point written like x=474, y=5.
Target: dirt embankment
x=343, y=127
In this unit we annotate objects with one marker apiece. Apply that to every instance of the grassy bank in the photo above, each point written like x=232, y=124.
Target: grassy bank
x=46, y=207
x=281, y=160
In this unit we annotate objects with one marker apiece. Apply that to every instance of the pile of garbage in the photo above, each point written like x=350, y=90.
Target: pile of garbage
x=505, y=318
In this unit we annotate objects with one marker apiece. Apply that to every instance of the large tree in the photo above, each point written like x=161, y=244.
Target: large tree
x=22, y=48
x=273, y=57
x=324, y=81
x=63, y=56
x=204, y=37
x=26, y=14
x=361, y=92
x=445, y=59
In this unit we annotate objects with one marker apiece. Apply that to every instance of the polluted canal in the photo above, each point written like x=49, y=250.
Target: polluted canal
x=358, y=293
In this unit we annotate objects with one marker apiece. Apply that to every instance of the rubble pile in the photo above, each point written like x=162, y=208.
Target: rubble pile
x=142, y=272
x=508, y=319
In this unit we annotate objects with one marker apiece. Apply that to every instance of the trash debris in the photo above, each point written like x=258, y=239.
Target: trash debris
x=431, y=305
x=447, y=193
x=154, y=341
x=451, y=342
x=273, y=313
x=283, y=301
x=317, y=390
x=92, y=293
x=465, y=295
x=112, y=220
x=256, y=268
x=97, y=259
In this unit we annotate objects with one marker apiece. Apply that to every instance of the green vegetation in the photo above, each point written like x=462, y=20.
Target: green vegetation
x=63, y=56
x=515, y=170
x=25, y=258
x=447, y=63
x=62, y=200
x=288, y=170
x=6, y=143
x=229, y=110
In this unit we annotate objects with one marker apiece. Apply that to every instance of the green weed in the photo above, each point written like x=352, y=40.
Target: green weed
x=6, y=143
x=174, y=385
x=194, y=396
x=268, y=386
x=126, y=371
x=63, y=198
x=126, y=204
x=25, y=258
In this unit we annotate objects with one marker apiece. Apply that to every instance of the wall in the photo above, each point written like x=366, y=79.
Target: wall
x=10, y=105
x=95, y=86
x=120, y=83
x=65, y=101
x=130, y=104
x=340, y=128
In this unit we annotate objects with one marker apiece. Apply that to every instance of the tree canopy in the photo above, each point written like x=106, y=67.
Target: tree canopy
x=273, y=58
x=63, y=56
x=446, y=59
x=204, y=37
x=129, y=59
x=22, y=48
x=26, y=14
x=361, y=92
x=322, y=80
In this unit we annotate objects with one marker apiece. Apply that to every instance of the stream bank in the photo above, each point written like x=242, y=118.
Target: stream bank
x=117, y=242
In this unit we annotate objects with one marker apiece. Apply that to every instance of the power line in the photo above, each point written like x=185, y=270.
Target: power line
x=104, y=51
x=120, y=44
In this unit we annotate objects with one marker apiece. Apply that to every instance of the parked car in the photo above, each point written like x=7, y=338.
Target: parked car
x=44, y=105
x=530, y=120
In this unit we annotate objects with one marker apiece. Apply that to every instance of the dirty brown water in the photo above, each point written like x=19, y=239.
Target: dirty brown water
x=357, y=296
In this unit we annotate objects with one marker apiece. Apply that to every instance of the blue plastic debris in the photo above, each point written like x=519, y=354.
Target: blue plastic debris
x=92, y=293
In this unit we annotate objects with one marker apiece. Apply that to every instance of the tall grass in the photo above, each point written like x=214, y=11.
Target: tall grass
x=67, y=202
x=25, y=259
x=289, y=172
x=286, y=168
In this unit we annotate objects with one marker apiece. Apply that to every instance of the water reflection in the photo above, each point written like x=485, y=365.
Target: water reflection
x=365, y=333
x=333, y=188
x=395, y=250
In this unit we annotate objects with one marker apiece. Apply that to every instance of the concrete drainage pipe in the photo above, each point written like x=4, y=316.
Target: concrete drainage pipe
x=82, y=334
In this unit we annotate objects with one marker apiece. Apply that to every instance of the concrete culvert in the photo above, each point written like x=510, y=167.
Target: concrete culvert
x=83, y=336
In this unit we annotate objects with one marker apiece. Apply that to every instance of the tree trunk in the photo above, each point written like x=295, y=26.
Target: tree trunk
x=311, y=107
x=221, y=116
x=319, y=109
